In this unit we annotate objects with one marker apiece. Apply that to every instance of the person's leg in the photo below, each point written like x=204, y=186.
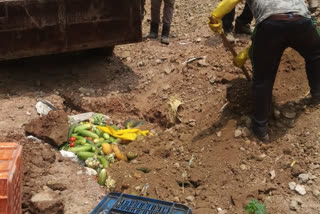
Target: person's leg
x=227, y=25
x=167, y=19
x=155, y=18
x=307, y=42
x=243, y=21
x=227, y=21
x=265, y=53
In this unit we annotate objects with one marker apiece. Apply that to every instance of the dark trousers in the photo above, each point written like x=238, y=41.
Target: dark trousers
x=269, y=40
x=245, y=18
x=167, y=11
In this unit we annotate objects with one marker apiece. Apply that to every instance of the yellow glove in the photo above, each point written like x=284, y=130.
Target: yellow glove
x=241, y=58
x=223, y=8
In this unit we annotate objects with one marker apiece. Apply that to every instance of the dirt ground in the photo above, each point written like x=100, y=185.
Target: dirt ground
x=198, y=162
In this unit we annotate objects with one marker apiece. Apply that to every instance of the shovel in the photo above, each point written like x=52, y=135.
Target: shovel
x=231, y=49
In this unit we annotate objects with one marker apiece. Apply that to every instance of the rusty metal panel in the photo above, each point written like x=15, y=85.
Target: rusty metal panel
x=38, y=27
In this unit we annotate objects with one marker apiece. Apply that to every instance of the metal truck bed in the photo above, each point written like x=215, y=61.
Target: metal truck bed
x=38, y=27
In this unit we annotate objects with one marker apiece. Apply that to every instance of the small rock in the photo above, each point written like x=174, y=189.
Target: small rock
x=300, y=189
x=272, y=174
x=138, y=188
x=246, y=132
x=294, y=205
x=166, y=87
x=168, y=70
x=219, y=134
x=46, y=202
x=56, y=185
x=126, y=54
x=212, y=80
x=159, y=61
x=292, y=185
x=79, y=172
x=289, y=114
x=202, y=63
x=198, y=40
x=306, y=134
x=303, y=178
x=176, y=199
x=190, y=198
x=296, y=170
x=316, y=193
x=276, y=114
x=243, y=167
x=261, y=157
x=192, y=122
x=141, y=64
x=237, y=133
x=177, y=165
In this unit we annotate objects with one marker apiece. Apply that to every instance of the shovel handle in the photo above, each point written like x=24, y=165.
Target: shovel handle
x=231, y=49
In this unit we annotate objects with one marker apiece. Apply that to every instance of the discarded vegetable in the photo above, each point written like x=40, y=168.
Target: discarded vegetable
x=72, y=139
x=102, y=177
x=82, y=127
x=106, y=148
x=118, y=153
x=87, y=133
x=104, y=162
x=131, y=155
x=85, y=155
x=80, y=148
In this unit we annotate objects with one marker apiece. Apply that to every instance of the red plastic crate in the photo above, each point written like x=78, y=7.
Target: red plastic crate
x=10, y=178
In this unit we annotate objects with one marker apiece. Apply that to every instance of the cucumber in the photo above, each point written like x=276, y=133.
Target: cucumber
x=94, y=147
x=100, y=143
x=82, y=127
x=104, y=162
x=102, y=177
x=112, y=139
x=80, y=142
x=78, y=137
x=98, y=132
x=106, y=136
x=71, y=129
x=98, y=140
x=80, y=148
x=85, y=155
x=87, y=133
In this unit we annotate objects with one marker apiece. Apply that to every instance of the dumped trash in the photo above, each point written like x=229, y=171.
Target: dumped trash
x=174, y=105
x=95, y=144
x=124, y=203
x=84, y=117
x=44, y=107
x=70, y=155
x=192, y=59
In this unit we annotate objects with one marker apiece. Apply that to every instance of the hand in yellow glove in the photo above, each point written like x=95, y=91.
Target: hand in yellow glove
x=223, y=8
x=217, y=26
x=241, y=58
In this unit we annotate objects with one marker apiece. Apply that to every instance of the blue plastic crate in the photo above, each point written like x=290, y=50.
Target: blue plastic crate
x=115, y=203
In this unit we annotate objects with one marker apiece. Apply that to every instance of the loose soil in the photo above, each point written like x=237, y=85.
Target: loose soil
x=197, y=162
